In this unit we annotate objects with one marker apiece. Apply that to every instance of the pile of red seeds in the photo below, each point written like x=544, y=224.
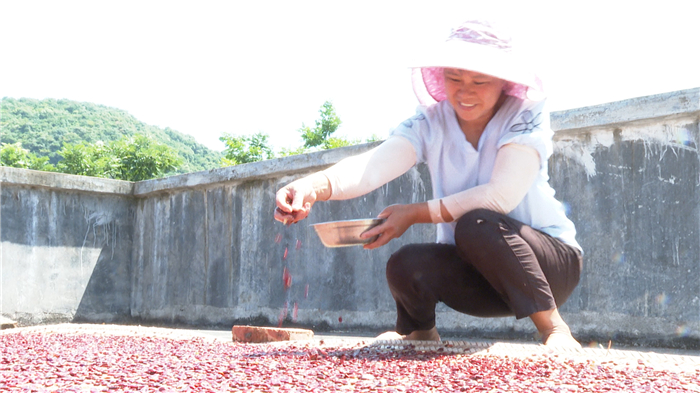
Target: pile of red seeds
x=86, y=362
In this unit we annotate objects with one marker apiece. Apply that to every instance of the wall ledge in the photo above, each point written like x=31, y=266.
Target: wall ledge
x=673, y=104
x=32, y=178
x=296, y=164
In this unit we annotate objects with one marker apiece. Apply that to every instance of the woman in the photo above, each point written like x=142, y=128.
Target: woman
x=504, y=244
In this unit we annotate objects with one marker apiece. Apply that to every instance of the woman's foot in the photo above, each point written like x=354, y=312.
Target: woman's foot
x=416, y=335
x=389, y=336
x=423, y=335
x=562, y=340
x=560, y=337
x=554, y=331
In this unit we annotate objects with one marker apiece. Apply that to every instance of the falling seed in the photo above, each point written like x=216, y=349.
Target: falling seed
x=298, y=244
x=340, y=319
x=286, y=279
x=278, y=238
x=283, y=314
x=285, y=254
x=295, y=312
x=306, y=291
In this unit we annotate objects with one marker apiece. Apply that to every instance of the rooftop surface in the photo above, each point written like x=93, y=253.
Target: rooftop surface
x=659, y=358
x=74, y=357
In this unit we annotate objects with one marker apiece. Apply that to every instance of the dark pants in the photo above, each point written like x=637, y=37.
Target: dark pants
x=498, y=267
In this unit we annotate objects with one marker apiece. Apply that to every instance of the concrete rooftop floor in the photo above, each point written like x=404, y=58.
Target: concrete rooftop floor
x=658, y=358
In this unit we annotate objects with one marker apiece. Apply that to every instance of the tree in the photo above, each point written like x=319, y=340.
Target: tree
x=325, y=126
x=142, y=158
x=91, y=159
x=251, y=148
x=373, y=138
x=13, y=155
x=44, y=126
x=132, y=158
x=286, y=152
x=332, y=143
x=245, y=149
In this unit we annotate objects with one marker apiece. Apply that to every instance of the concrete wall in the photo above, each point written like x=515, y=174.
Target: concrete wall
x=203, y=249
x=629, y=172
x=66, y=247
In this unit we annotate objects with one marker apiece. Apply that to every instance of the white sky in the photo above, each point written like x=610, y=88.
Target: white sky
x=208, y=67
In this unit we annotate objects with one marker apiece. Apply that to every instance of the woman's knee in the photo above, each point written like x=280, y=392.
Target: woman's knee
x=478, y=226
x=412, y=264
x=400, y=263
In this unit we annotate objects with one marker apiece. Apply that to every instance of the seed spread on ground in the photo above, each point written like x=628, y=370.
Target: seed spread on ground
x=116, y=363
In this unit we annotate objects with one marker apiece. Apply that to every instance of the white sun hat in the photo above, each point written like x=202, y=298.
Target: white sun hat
x=479, y=47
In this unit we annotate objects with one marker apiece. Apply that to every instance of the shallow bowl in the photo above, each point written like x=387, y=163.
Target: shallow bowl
x=345, y=233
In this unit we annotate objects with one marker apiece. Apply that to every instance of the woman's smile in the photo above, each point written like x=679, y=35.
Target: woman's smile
x=475, y=97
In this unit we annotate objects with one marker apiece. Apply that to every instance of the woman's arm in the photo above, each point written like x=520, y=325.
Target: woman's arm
x=349, y=178
x=514, y=171
x=358, y=175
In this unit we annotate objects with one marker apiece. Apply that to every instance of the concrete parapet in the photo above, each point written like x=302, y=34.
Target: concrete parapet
x=671, y=105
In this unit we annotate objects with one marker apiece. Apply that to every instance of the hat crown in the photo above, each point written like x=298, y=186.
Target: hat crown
x=481, y=33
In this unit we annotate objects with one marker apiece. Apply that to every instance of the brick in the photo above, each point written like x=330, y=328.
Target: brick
x=6, y=323
x=258, y=334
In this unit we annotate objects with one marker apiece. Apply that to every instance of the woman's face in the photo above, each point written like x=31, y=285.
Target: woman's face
x=474, y=96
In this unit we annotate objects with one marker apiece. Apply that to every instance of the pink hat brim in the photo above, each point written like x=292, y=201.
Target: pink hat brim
x=428, y=81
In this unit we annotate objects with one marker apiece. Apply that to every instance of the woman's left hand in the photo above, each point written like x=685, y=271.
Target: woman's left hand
x=398, y=219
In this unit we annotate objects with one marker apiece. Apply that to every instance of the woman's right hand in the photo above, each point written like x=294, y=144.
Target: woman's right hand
x=294, y=200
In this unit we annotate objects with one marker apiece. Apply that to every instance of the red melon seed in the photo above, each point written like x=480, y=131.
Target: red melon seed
x=294, y=313
x=283, y=314
x=38, y=362
x=340, y=319
x=278, y=238
x=285, y=254
x=286, y=279
x=306, y=291
x=298, y=246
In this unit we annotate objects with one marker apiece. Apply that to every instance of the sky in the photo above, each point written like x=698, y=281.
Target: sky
x=206, y=68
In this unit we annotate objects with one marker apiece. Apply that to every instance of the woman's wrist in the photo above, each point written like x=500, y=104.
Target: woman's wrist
x=435, y=211
x=438, y=211
x=321, y=185
x=420, y=213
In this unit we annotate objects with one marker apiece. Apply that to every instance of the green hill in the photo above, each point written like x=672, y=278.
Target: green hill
x=42, y=126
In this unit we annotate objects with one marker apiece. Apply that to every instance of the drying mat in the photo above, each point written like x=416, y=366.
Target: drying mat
x=611, y=357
